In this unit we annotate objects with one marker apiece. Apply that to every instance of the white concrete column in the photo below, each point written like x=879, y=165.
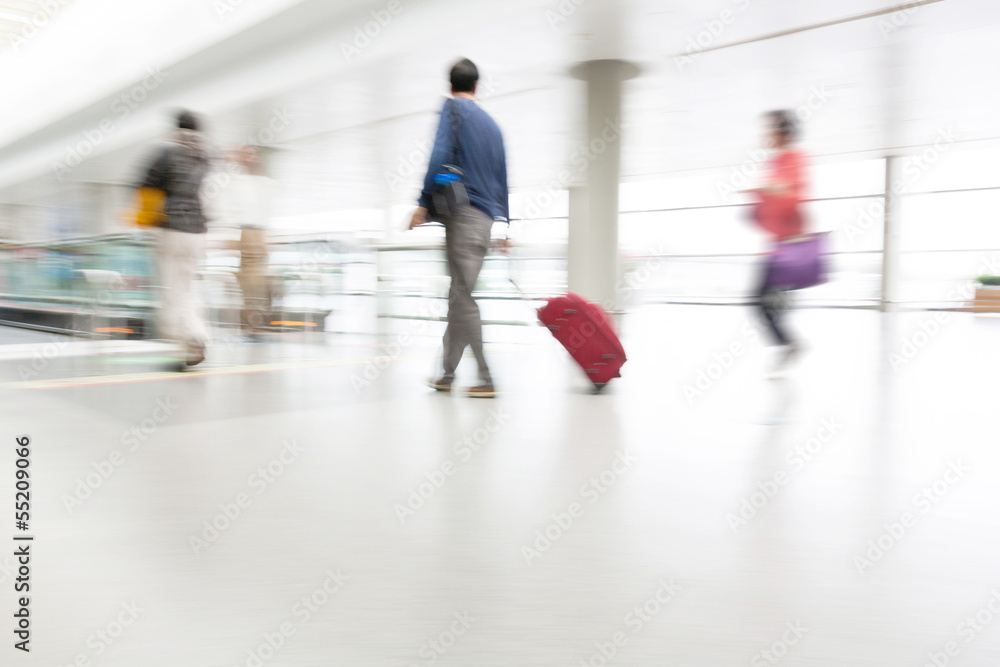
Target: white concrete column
x=579, y=241
x=891, y=237
x=593, y=209
x=894, y=87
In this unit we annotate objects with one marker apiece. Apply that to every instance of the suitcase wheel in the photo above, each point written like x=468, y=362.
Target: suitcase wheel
x=599, y=387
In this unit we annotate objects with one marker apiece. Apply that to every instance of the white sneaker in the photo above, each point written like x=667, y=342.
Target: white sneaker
x=783, y=359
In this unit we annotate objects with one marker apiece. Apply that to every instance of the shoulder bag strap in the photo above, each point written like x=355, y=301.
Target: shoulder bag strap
x=455, y=123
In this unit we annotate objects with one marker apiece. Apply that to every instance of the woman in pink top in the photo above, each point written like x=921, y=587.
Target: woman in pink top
x=779, y=213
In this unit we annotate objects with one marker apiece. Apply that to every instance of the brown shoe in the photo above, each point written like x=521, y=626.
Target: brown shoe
x=482, y=391
x=441, y=384
x=195, y=354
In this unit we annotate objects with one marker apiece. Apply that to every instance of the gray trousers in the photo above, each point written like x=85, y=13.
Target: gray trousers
x=467, y=239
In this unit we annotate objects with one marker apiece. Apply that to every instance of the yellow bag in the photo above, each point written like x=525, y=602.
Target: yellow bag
x=151, y=203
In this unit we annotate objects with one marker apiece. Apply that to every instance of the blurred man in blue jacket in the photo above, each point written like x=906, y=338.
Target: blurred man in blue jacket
x=482, y=160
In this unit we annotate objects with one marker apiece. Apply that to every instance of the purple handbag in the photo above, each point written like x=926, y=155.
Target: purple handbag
x=797, y=263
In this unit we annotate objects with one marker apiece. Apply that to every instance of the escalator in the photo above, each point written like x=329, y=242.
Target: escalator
x=106, y=286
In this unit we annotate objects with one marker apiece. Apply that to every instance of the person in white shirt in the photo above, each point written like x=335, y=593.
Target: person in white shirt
x=245, y=203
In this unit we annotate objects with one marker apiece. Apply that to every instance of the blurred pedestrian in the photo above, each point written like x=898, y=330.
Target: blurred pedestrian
x=178, y=172
x=779, y=213
x=246, y=204
x=469, y=155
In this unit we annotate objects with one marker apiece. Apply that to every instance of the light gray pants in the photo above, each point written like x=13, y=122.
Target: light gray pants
x=467, y=241
x=180, y=309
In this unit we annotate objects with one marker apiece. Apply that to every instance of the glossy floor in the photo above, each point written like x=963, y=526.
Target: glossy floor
x=307, y=502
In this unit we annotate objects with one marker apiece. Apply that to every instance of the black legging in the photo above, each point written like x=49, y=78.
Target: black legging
x=773, y=303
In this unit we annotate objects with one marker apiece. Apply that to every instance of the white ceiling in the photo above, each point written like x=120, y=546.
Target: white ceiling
x=22, y=20
x=355, y=120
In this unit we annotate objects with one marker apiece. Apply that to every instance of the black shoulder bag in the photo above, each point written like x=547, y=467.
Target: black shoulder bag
x=448, y=192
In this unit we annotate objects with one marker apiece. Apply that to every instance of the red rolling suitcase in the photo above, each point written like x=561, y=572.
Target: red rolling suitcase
x=587, y=334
